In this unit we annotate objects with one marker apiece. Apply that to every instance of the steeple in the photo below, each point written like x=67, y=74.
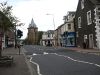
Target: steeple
x=32, y=24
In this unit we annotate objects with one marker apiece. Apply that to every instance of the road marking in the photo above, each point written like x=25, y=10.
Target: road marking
x=38, y=69
x=97, y=65
x=45, y=53
x=34, y=54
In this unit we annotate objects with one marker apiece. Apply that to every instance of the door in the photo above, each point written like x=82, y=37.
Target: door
x=91, y=43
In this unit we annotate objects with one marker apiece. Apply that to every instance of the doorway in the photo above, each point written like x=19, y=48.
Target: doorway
x=91, y=43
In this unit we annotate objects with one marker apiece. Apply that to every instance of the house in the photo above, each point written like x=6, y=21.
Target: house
x=87, y=24
x=69, y=30
x=48, y=38
x=58, y=32
x=56, y=37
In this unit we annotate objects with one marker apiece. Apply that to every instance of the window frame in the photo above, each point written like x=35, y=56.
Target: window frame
x=82, y=4
x=79, y=22
x=89, y=18
x=69, y=26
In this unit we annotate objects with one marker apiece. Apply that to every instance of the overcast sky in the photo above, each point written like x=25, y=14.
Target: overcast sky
x=25, y=10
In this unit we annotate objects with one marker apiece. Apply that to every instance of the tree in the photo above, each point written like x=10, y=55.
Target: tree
x=4, y=21
x=7, y=20
x=7, y=10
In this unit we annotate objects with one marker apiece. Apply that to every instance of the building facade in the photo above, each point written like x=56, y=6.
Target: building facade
x=87, y=24
x=48, y=38
x=32, y=33
x=69, y=33
x=65, y=33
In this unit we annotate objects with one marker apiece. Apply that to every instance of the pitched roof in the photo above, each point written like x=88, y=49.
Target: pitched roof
x=32, y=24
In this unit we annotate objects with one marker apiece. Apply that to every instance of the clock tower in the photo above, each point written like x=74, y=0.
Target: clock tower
x=32, y=33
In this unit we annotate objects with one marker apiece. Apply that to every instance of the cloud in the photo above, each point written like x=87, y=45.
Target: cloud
x=37, y=9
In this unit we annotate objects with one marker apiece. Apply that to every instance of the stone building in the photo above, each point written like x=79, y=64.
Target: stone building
x=32, y=33
x=87, y=24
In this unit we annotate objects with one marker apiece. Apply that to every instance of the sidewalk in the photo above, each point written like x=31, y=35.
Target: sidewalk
x=19, y=67
x=90, y=51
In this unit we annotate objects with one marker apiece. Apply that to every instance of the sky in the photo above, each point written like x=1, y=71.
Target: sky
x=25, y=10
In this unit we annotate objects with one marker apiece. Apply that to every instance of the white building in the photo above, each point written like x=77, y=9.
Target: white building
x=48, y=38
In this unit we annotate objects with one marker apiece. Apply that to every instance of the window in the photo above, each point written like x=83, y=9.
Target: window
x=69, y=26
x=98, y=8
x=98, y=13
x=82, y=4
x=99, y=17
x=85, y=36
x=79, y=22
x=48, y=35
x=89, y=21
x=77, y=34
x=99, y=26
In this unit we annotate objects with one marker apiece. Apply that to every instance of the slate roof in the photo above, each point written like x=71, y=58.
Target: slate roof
x=32, y=24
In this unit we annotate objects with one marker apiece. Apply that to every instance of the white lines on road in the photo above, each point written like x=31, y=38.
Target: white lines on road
x=38, y=69
x=45, y=53
x=34, y=54
x=97, y=65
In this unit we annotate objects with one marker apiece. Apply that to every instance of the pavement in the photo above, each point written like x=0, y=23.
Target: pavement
x=20, y=65
x=89, y=51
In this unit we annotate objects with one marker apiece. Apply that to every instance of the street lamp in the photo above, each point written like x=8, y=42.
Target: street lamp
x=53, y=24
x=53, y=19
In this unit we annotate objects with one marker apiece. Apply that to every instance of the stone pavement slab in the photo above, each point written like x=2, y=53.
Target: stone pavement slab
x=19, y=67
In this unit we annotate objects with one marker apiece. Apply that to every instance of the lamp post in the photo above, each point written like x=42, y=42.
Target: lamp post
x=53, y=24
x=53, y=19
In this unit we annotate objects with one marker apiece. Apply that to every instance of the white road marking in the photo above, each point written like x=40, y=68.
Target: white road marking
x=45, y=53
x=97, y=65
x=34, y=54
x=38, y=69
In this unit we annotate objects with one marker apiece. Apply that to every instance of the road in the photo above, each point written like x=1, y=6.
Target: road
x=60, y=61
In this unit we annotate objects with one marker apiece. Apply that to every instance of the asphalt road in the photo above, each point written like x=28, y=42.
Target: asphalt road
x=60, y=61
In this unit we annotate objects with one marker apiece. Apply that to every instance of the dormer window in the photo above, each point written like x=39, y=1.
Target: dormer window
x=82, y=4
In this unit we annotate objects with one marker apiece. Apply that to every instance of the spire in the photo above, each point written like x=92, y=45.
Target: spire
x=32, y=24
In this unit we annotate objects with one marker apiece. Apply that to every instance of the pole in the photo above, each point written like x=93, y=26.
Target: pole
x=53, y=24
x=15, y=38
x=53, y=19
